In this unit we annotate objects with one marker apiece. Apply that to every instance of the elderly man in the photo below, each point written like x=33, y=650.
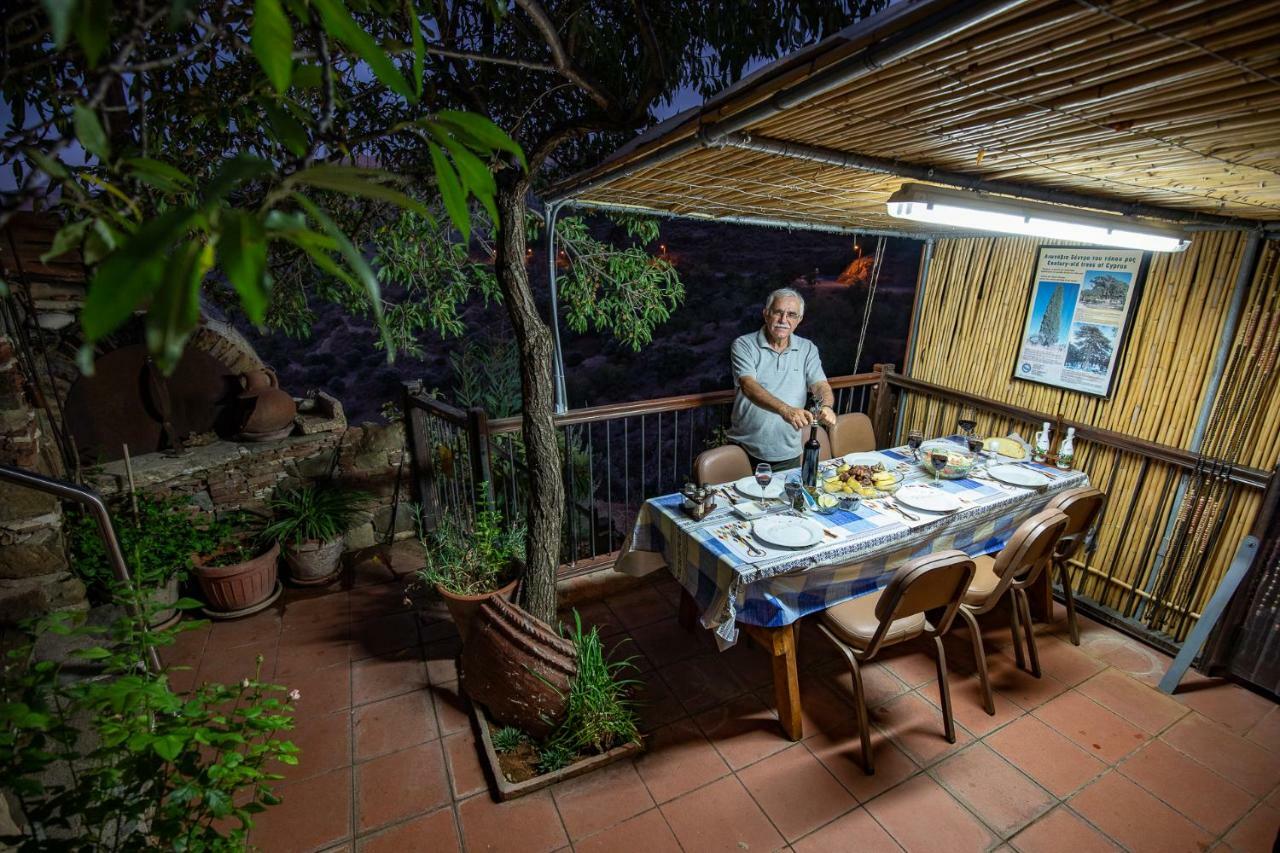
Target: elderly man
x=773, y=370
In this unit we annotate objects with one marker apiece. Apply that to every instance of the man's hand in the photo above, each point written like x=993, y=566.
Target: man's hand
x=827, y=416
x=798, y=418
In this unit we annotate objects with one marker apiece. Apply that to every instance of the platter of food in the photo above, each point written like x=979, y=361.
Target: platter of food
x=863, y=480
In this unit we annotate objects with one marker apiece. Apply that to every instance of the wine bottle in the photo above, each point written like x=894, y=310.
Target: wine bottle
x=809, y=467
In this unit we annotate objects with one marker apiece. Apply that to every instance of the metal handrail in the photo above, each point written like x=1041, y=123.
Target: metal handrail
x=91, y=499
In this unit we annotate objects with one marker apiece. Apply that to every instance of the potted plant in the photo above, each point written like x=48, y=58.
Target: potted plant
x=240, y=577
x=465, y=564
x=310, y=523
x=160, y=539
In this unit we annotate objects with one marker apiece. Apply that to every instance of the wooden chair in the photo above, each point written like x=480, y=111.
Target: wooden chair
x=1024, y=557
x=721, y=465
x=824, y=444
x=921, y=599
x=852, y=433
x=1081, y=506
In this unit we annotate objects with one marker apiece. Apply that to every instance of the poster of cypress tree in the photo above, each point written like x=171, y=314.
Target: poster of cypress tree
x=1052, y=319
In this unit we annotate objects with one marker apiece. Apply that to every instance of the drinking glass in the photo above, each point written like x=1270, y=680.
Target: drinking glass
x=939, y=461
x=968, y=421
x=764, y=476
x=914, y=440
x=975, y=447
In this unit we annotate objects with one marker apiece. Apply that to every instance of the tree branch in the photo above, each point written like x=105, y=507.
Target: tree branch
x=495, y=60
x=538, y=15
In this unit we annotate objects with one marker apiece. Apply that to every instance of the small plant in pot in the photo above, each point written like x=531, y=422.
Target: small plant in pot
x=310, y=523
x=239, y=578
x=465, y=564
x=160, y=538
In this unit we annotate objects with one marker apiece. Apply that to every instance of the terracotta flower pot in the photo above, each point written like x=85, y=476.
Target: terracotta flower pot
x=463, y=607
x=313, y=561
x=241, y=585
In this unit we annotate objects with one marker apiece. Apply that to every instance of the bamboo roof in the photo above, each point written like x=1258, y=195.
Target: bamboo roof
x=1166, y=109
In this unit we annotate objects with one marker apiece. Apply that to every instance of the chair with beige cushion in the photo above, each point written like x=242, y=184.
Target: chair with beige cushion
x=852, y=434
x=1024, y=557
x=1081, y=507
x=721, y=465
x=921, y=599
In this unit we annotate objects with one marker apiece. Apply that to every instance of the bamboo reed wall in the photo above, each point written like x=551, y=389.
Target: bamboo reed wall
x=971, y=318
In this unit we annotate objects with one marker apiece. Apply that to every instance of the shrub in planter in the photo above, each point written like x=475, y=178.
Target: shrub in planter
x=309, y=523
x=120, y=761
x=240, y=575
x=467, y=564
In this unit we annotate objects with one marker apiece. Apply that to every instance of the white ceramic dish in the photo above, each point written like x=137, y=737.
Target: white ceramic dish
x=748, y=510
x=868, y=458
x=749, y=487
x=927, y=498
x=1018, y=475
x=787, y=531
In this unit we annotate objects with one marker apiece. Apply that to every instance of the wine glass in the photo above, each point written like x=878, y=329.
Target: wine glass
x=939, y=460
x=764, y=476
x=914, y=439
x=975, y=447
x=968, y=421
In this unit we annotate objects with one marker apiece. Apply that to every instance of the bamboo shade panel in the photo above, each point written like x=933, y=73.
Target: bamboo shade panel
x=1170, y=104
x=971, y=318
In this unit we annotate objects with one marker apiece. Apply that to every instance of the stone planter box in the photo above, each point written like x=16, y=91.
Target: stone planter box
x=504, y=790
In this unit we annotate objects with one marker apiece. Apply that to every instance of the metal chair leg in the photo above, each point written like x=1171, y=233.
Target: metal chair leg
x=864, y=722
x=1069, y=598
x=980, y=659
x=944, y=690
x=1033, y=652
x=1014, y=618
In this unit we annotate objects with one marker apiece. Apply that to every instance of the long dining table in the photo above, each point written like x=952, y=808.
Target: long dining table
x=734, y=582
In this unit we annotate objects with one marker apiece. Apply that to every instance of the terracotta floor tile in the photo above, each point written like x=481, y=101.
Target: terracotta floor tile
x=879, y=683
x=815, y=650
x=721, y=816
x=750, y=663
x=406, y=556
x=442, y=660
x=1046, y=756
x=321, y=691
x=595, y=614
x=390, y=724
x=677, y=759
x=436, y=832
x=313, y=814
x=702, y=682
x=598, y=800
x=912, y=663
x=665, y=642
x=369, y=567
x=1188, y=786
x=378, y=678
x=840, y=752
x=1128, y=655
x=642, y=606
x=1136, y=819
x=1020, y=686
x=189, y=642
x=1239, y=760
x=525, y=825
x=1257, y=833
x=260, y=628
x=921, y=815
x=384, y=634
x=298, y=657
x=966, y=705
x=1266, y=732
x=399, y=785
x=1225, y=703
x=1062, y=831
x=466, y=768
x=742, y=731
x=301, y=614
x=227, y=666
x=1145, y=707
x=915, y=725
x=820, y=708
x=796, y=792
x=1062, y=661
x=656, y=704
x=452, y=712
x=1093, y=728
x=645, y=833
x=324, y=744
x=856, y=832
x=1004, y=798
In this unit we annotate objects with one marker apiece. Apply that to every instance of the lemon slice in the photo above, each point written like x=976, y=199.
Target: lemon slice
x=826, y=501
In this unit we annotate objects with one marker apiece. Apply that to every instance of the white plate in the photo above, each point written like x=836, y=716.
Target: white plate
x=1018, y=475
x=867, y=458
x=748, y=510
x=927, y=498
x=749, y=487
x=787, y=531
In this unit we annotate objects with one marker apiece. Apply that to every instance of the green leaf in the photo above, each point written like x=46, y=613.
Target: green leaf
x=308, y=76
x=476, y=177
x=272, y=41
x=339, y=24
x=100, y=242
x=90, y=133
x=60, y=13
x=93, y=28
x=242, y=251
x=356, y=181
x=94, y=653
x=455, y=199
x=292, y=135
x=188, y=604
x=232, y=173
x=69, y=237
x=47, y=164
x=168, y=747
x=484, y=131
x=175, y=311
x=159, y=174
x=419, y=49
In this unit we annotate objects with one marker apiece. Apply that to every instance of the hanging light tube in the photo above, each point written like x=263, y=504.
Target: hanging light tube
x=968, y=210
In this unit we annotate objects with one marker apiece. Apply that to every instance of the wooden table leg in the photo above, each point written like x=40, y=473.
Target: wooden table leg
x=781, y=645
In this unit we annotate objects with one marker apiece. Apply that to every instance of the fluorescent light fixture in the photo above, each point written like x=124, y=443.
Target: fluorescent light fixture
x=962, y=209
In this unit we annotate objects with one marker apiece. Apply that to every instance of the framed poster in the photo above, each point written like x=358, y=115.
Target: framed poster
x=1081, y=302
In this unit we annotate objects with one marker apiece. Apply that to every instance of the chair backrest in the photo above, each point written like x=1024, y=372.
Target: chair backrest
x=1081, y=506
x=934, y=581
x=1028, y=551
x=824, y=445
x=852, y=434
x=721, y=465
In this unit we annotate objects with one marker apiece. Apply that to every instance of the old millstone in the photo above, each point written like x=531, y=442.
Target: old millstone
x=518, y=668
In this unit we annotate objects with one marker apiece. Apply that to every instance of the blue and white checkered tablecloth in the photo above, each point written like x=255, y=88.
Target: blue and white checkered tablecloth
x=784, y=585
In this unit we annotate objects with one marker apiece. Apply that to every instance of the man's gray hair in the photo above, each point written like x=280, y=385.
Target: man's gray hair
x=783, y=293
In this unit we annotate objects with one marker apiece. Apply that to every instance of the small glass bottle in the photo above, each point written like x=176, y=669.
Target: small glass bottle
x=1041, y=449
x=1066, y=450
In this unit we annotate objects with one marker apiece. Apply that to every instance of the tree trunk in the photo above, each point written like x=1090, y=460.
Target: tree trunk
x=546, y=490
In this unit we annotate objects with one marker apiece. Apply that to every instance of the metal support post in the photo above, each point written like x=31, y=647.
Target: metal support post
x=557, y=364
